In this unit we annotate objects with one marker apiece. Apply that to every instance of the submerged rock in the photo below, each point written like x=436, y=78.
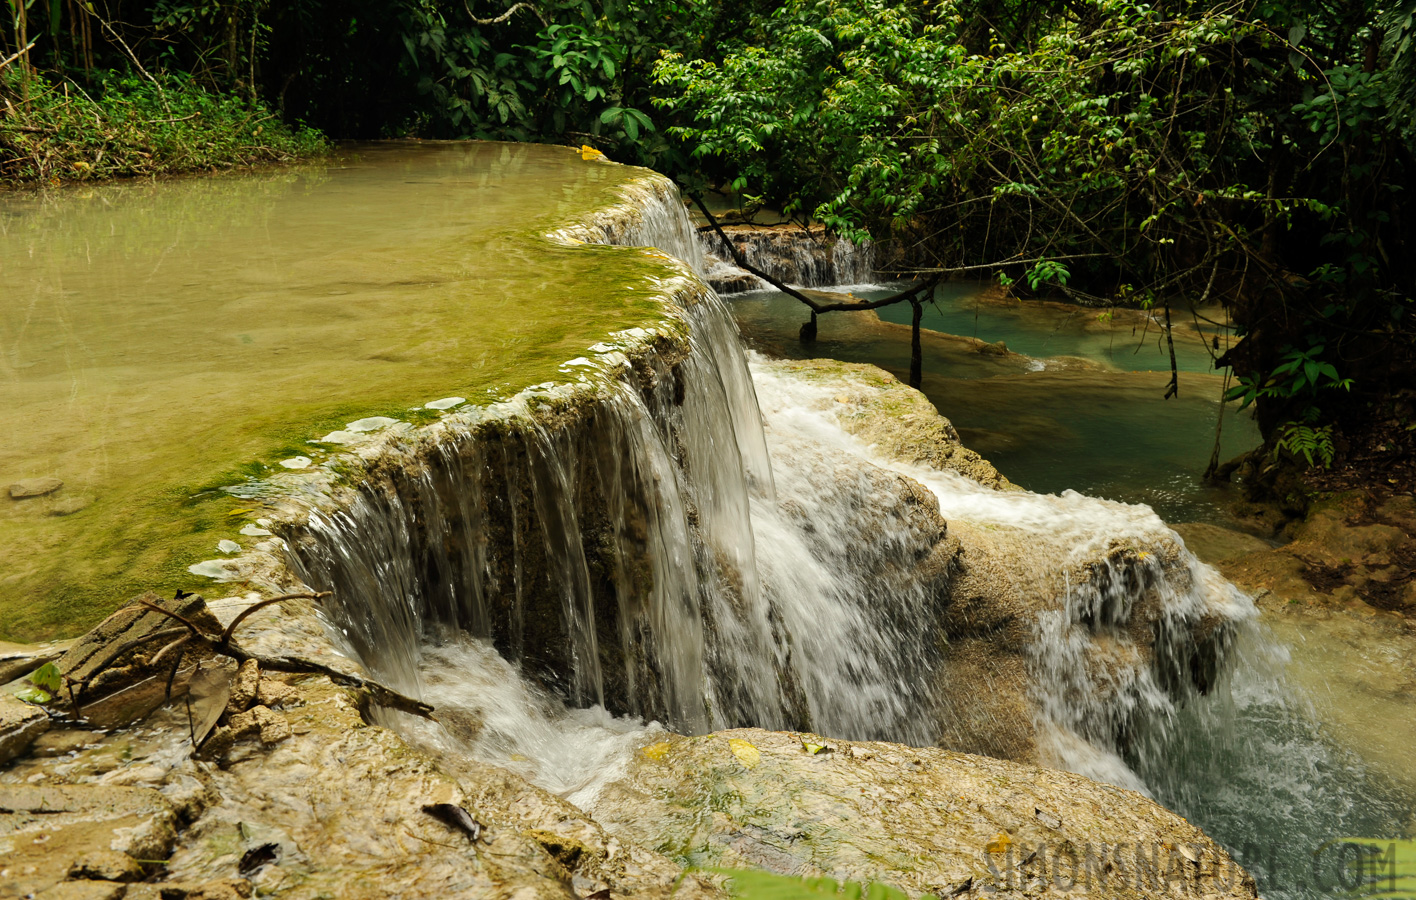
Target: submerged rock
x=34, y=487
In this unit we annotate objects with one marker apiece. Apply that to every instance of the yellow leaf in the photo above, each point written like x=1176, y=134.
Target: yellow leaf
x=589, y=152
x=657, y=751
x=1000, y=843
x=813, y=749
x=747, y=754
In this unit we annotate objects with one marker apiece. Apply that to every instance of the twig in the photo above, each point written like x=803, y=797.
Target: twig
x=9, y=59
x=131, y=55
x=170, y=614
x=231, y=629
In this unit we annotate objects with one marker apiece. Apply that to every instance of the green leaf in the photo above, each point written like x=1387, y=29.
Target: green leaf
x=47, y=677
x=33, y=695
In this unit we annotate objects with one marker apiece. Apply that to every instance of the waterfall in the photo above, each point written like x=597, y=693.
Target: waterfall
x=701, y=543
x=806, y=257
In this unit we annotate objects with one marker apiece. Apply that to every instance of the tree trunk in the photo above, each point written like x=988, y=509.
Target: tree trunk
x=916, y=350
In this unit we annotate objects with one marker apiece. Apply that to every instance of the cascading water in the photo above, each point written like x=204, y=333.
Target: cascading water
x=707, y=546
x=803, y=257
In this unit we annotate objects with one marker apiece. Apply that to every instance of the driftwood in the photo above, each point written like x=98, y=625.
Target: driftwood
x=188, y=635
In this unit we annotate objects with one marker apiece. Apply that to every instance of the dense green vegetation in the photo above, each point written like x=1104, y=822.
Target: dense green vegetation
x=126, y=125
x=1255, y=153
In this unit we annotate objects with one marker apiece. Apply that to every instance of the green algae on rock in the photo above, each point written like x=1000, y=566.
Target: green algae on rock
x=164, y=341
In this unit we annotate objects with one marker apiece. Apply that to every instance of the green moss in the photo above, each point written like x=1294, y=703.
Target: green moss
x=176, y=339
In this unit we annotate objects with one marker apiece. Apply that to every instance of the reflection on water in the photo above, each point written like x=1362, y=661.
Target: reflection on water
x=156, y=337
x=1075, y=420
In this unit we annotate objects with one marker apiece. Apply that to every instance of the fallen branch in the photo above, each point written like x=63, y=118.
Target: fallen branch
x=191, y=635
x=816, y=306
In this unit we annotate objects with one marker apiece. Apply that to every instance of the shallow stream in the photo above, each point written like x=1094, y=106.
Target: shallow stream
x=1077, y=404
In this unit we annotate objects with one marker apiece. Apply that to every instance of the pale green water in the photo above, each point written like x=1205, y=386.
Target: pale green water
x=1085, y=422
x=160, y=339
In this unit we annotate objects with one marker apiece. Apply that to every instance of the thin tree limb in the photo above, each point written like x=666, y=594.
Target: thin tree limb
x=504, y=16
x=18, y=53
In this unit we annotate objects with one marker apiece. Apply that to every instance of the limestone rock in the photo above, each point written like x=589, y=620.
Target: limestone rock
x=75, y=820
x=20, y=724
x=228, y=889
x=896, y=420
x=18, y=660
x=925, y=820
x=84, y=890
x=1214, y=544
x=273, y=693
x=244, y=688
x=67, y=506
x=311, y=794
x=106, y=865
x=34, y=487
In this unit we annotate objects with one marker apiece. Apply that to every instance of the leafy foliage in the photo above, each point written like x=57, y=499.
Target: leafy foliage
x=1254, y=154
x=131, y=126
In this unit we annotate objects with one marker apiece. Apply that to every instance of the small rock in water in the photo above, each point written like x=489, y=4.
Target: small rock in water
x=337, y=437
x=228, y=547
x=34, y=487
x=445, y=403
x=372, y=423
x=255, y=531
x=297, y=462
x=67, y=506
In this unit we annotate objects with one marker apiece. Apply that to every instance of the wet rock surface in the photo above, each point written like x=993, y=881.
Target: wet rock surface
x=339, y=807
x=20, y=724
x=18, y=660
x=306, y=801
x=926, y=820
x=807, y=257
x=1051, y=633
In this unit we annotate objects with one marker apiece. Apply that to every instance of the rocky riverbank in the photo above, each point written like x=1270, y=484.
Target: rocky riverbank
x=299, y=795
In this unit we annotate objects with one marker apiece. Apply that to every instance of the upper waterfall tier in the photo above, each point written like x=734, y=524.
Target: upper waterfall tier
x=161, y=341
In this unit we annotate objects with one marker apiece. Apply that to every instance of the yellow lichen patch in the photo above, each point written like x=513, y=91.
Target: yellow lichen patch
x=747, y=754
x=656, y=752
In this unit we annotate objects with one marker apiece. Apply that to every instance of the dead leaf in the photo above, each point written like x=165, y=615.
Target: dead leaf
x=252, y=860
x=747, y=754
x=456, y=818
x=208, y=692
